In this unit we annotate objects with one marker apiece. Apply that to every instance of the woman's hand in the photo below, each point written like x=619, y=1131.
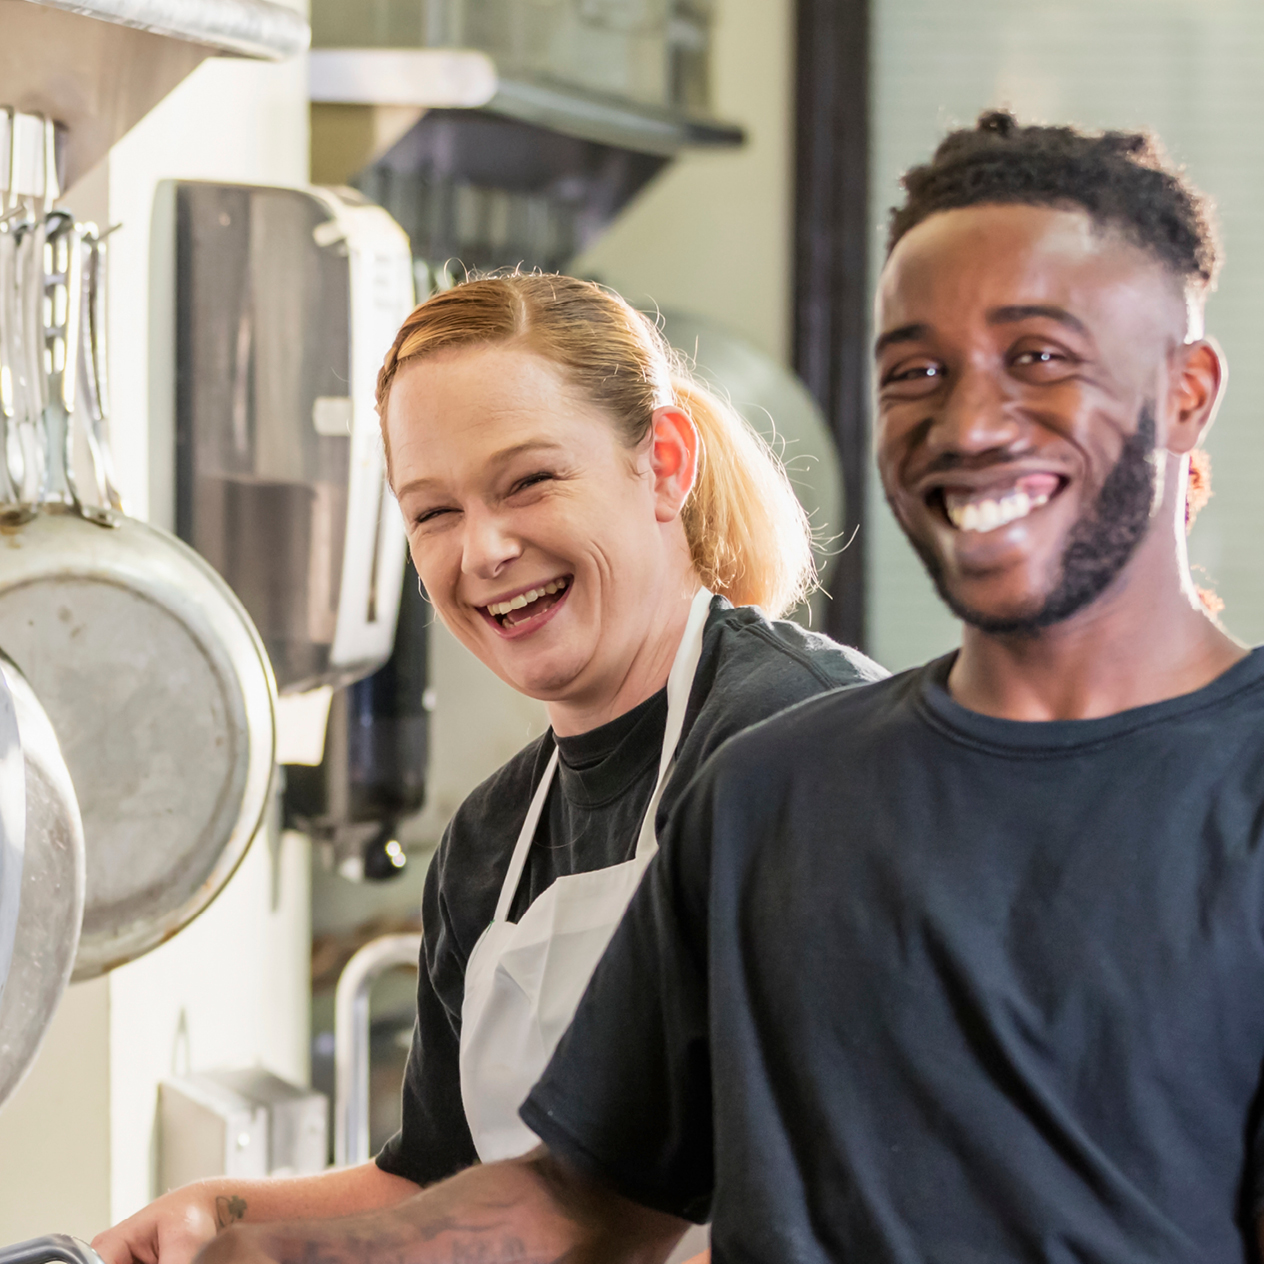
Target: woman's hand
x=177, y=1226
x=171, y=1230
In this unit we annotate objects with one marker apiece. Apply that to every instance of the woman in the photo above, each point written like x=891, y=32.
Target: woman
x=598, y=529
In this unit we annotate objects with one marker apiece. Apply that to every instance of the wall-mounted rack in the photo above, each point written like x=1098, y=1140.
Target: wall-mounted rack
x=98, y=66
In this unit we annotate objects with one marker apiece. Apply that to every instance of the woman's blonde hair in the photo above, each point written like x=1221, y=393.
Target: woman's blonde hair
x=749, y=537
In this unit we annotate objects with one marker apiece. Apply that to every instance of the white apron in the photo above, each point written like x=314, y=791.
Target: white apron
x=524, y=980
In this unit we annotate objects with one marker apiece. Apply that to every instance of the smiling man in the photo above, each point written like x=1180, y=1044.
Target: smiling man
x=966, y=965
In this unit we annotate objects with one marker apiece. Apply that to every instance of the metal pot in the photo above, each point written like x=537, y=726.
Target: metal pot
x=56, y=1246
x=12, y=827
x=46, y=920
x=151, y=671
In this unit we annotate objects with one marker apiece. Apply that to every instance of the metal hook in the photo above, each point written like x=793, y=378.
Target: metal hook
x=11, y=203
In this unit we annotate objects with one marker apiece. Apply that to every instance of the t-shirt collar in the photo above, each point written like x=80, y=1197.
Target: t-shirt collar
x=1059, y=736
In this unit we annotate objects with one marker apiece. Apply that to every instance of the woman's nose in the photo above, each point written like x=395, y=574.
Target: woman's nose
x=488, y=545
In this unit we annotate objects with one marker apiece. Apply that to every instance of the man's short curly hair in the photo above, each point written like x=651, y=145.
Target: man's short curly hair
x=1122, y=179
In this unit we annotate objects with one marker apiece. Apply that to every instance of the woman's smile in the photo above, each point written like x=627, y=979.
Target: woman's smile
x=519, y=614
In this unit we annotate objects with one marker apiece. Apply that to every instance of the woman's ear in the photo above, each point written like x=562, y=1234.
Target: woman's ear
x=674, y=451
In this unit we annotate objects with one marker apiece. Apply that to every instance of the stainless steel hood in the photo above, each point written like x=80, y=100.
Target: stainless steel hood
x=98, y=66
x=502, y=132
x=608, y=119
x=394, y=79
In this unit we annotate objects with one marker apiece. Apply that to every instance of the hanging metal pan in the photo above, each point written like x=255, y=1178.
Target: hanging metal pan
x=149, y=668
x=52, y=884
x=12, y=827
x=57, y=1247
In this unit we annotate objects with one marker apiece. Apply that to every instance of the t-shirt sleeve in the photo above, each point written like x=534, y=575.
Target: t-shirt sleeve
x=434, y=1139
x=627, y=1095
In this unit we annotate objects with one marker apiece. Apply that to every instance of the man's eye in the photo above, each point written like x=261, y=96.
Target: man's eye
x=1038, y=357
x=914, y=373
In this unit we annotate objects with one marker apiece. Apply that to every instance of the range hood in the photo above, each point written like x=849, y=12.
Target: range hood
x=98, y=66
x=554, y=114
x=400, y=79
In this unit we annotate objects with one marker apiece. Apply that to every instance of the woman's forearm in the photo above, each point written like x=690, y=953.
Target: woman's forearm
x=321, y=1196
x=524, y=1211
x=175, y=1227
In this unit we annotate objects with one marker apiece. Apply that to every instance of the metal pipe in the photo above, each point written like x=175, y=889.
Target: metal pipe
x=55, y=1247
x=351, y=1040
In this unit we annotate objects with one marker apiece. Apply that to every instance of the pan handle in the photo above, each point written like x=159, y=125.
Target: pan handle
x=94, y=385
x=60, y=290
x=10, y=481
x=55, y=1247
x=65, y=287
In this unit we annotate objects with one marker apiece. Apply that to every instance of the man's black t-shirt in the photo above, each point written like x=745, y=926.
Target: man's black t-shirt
x=750, y=668
x=909, y=983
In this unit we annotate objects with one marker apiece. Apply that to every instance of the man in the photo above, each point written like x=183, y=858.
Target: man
x=967, y=965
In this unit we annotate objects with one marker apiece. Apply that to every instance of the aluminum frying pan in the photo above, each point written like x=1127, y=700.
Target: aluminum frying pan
x=52, y=886
x=152, y=673
x=55, y=1247
x=12, y=827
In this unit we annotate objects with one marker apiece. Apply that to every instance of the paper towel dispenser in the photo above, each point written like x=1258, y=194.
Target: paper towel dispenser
x=286, y=301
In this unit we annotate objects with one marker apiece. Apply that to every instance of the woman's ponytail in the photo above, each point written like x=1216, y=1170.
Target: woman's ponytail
x=749, y=536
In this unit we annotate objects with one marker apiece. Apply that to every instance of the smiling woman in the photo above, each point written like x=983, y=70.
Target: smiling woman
x=598, y=528
x=611, y=538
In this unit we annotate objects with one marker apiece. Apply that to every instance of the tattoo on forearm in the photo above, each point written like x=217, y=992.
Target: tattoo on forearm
x=507, y=1251
x=229, y=1209
x=486, y=1245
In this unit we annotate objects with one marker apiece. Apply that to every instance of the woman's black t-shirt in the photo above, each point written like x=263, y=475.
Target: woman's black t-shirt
x=750, y=669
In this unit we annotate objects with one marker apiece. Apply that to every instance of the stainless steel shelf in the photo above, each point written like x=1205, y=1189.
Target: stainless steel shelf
x=608, y=120
x=244, y=28
x=98, y=66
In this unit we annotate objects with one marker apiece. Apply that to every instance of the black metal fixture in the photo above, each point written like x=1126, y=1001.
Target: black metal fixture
x=376, y=746
x=831, y=265
x=488, y=190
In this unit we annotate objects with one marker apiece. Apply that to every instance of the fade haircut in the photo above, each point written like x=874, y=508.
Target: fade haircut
x=1124, y=180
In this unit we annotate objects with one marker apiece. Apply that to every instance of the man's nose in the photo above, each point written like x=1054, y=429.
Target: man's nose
x=489, y=544
x=975, y=416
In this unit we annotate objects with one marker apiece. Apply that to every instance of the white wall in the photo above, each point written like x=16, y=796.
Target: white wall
x=712, y=234
x=77, y=1141
x=54, y=1131
x=1191, y=72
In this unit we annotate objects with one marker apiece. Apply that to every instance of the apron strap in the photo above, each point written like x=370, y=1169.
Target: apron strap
x=679, y=686
x=518, y=861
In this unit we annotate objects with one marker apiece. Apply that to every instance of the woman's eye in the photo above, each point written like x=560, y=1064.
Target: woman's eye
x=429, y=515
x=532, y=480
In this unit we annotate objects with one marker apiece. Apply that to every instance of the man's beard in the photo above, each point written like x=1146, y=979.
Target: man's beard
x=1099, y=547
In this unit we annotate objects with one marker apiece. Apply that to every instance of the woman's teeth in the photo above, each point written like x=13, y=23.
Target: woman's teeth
x=522, y=600
x=987, y=515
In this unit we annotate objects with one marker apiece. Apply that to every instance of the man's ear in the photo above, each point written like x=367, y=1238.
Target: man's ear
x=674, y=453
x=1199, y=374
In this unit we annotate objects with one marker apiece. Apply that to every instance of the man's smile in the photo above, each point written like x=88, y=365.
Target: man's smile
x=986, y=500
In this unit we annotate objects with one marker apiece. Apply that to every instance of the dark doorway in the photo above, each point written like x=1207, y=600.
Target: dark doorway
x=831, y=256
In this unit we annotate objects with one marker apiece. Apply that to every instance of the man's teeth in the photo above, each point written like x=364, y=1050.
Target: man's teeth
x=987, y=515
x=498, y=608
